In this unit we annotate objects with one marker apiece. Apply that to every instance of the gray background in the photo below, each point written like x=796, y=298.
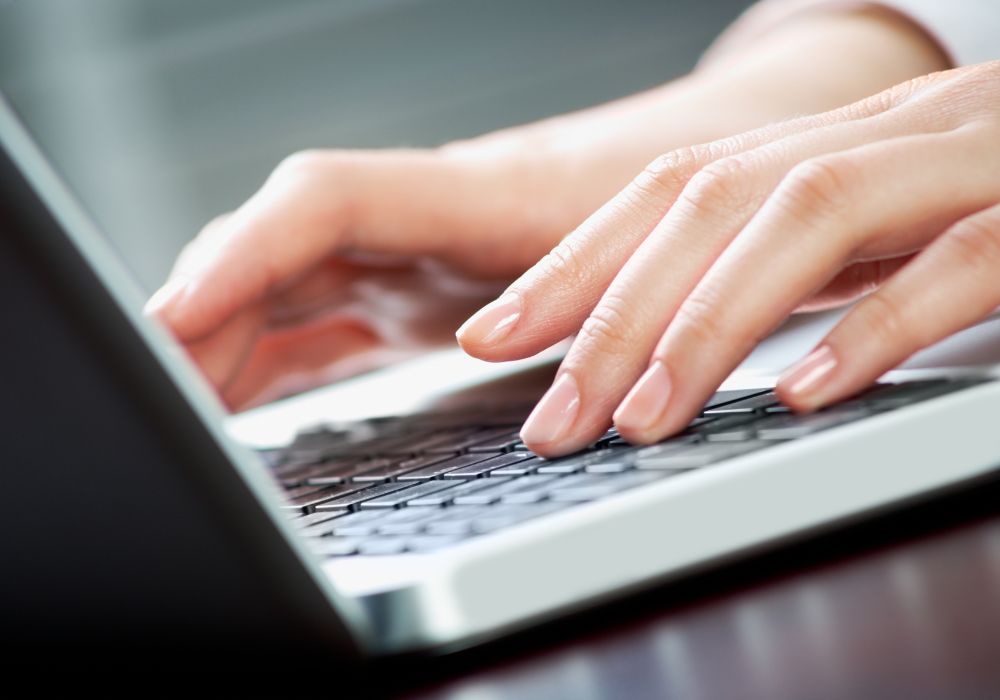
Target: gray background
x=163, y=114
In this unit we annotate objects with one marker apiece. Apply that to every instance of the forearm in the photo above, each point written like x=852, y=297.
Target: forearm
x=811, y=63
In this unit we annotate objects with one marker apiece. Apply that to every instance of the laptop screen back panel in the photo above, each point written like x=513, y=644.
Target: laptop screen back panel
x=124, y=519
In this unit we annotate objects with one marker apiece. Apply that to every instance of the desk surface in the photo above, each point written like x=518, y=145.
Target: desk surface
x=906, y=605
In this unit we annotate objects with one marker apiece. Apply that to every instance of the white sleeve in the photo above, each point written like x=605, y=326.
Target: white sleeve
x=968, y=31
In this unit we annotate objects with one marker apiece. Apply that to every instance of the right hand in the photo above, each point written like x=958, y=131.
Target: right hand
x=346, y=260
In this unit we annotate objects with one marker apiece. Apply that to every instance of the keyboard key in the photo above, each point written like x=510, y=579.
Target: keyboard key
x=519, y=468
x=354, y=499
x=609, y=467
x=347, y=471
x=314, y=518
x=502, y=443
x=408, y=521
x=442, y=498
x=358, y=524
x=380, y=546
x=497, y=489
x=411, y=495
x=601, y=486
x=790, y=426
x=539, y=491
x=394, y=470
x=334, y=546
x=431, y=543
x=757, y=402
x=308, y=501
x=698, y=454
x=566, y=465
x=736, y=426
x=728, y=396
x=321, y=529
x=473, y=439
x=478, y=469
x=491, y=518
x=439, y=469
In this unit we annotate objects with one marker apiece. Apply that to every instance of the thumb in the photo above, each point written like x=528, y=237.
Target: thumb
x=315, y=204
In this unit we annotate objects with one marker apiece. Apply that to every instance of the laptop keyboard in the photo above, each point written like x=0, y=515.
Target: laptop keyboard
x=421, y=483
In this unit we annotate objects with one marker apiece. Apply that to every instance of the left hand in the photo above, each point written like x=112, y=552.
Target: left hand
x=675, y=280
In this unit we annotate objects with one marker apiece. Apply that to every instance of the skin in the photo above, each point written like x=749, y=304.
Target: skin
x=345, y=260
x=895, y=198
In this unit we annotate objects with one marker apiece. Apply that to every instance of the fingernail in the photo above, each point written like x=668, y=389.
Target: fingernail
x=554, y=414
x=166, y=295
x=806, y=380
x=493, y=322
x=646, y=402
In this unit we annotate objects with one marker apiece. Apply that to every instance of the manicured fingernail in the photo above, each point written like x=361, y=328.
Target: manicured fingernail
x=167, y=295
x=493, y=322
x=646, y=402
x=554, y=414
x=806, y=380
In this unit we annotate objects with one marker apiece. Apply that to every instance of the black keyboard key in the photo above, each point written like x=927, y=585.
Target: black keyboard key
x=411, y=495
x=396, y=469
x=354, y=499
x=697, y=454
x=478, y=469
x=309, y=500
x=439, y=469
x=757, y=402
x=528, y=466
x=721, y=398
x=471, y=440
x=502, y=443
x=299, y=520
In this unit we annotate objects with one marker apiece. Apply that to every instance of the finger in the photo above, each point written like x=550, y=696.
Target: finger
x=954, y=283
x=616, y=340
x=826, y=210
x=298, y=358
x=220, y=355
x=313, y=205
x=552, y=299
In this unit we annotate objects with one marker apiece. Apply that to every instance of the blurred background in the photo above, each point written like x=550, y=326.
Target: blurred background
x=162, y=115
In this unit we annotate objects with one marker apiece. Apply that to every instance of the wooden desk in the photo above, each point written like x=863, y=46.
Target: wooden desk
x=906, y=605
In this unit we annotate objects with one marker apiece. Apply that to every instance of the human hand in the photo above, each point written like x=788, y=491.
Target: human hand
x=346, y=260
x=674, y=281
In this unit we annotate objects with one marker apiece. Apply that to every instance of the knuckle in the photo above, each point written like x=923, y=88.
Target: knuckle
x=564, y=263
x=667, y=174
x=722, y=185
x=701, y=320
x=606, y=330
x=885, y=319
x=302, y=162
x=817, y=188
x=976, y=242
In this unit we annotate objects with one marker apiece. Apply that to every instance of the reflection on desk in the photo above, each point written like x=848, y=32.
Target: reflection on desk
x=870, y=612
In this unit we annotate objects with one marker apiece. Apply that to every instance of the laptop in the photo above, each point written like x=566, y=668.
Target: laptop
x=135, y=510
